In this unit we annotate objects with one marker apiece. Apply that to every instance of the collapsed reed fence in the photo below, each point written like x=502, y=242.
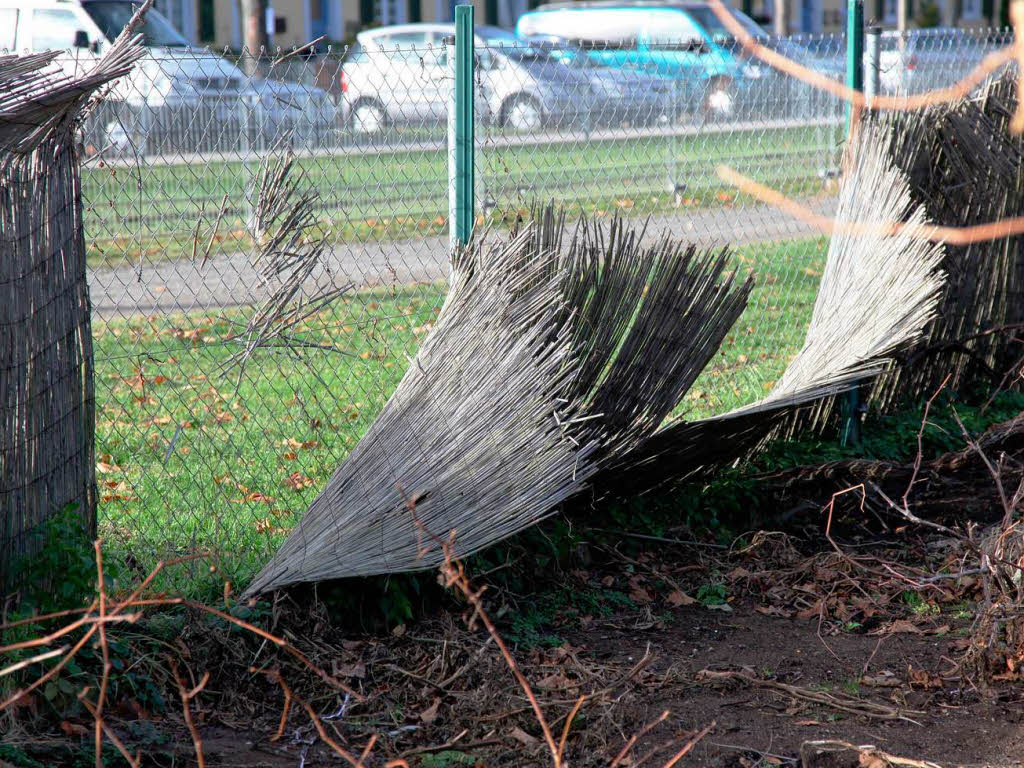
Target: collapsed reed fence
x=191, y=459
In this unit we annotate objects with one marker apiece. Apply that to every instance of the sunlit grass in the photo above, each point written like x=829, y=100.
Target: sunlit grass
x=149, y=214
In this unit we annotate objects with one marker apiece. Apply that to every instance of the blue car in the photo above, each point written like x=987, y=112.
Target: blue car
x=685, y=41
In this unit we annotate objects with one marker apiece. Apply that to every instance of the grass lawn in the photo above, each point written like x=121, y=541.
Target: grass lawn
x=189, y=457
x=151, y=213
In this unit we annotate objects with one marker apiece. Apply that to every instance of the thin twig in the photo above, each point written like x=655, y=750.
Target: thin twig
x=186, y=698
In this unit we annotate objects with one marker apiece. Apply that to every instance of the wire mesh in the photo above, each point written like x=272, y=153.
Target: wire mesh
x=192, y=453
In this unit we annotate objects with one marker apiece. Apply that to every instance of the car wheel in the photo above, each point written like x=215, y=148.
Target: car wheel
x=719, y=99
x=368, y=117
x=523, y=114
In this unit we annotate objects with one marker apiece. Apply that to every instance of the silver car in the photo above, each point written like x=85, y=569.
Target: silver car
x=929, y=58
x=400, y=75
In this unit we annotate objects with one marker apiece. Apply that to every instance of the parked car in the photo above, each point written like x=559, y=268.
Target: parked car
x=174, y=94
x=685, y=41
x=929, y=58
x=620, y=94
x=399, y=74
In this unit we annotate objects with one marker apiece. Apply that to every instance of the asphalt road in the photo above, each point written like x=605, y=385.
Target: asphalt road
x=228, y=281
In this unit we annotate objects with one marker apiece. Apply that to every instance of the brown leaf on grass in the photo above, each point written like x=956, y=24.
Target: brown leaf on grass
x=678, y=599
x=254, y=497
x=297, y=481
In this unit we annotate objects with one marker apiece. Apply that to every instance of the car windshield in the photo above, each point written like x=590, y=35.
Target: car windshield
x=511, y=46
x=111, y=16
x=716, y=29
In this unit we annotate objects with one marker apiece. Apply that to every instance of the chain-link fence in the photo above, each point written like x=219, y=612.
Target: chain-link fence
x=195, y=452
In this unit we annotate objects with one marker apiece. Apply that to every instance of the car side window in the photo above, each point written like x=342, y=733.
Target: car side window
x=8, y=23
x=407, y=45
x=53, y=29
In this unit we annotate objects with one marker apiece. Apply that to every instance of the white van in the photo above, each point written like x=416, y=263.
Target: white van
x=171, y=73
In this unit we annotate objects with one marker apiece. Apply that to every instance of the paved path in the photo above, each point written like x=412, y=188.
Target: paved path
x=231, y=281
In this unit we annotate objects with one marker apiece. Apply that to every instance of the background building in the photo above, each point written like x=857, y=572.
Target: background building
x=296, y=22
x=812, y=17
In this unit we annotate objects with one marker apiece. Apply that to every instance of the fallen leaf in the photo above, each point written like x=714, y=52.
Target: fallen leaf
x=772, y=610
x=678, y=598
x=868, y=759
x=74, y=729
x=884, y=679
x=358, y=670
x=898, y=627
x=554, y=681
x=523, y=737
x=919, y=678
x=429, y=715
x=640, y=596
x=297, y=481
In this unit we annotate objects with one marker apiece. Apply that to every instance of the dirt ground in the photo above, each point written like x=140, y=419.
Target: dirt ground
x=771, y=647
x=946, y=722
x=780, y=642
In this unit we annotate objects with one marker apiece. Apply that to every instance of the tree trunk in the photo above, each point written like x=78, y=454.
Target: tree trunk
x=254, y=34
x=781, y=17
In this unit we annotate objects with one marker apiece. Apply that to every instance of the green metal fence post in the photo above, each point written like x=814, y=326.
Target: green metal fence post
x=855, y=80
x=461, y=174
x=854, y=49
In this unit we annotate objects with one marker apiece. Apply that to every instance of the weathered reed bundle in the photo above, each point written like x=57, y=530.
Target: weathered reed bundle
x=552, y=370
x=544, y=362
x=46, y=388
x=877, y=293
x=964, y=167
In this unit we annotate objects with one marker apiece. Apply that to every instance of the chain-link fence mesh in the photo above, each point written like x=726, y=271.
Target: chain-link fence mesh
x=193, y=452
